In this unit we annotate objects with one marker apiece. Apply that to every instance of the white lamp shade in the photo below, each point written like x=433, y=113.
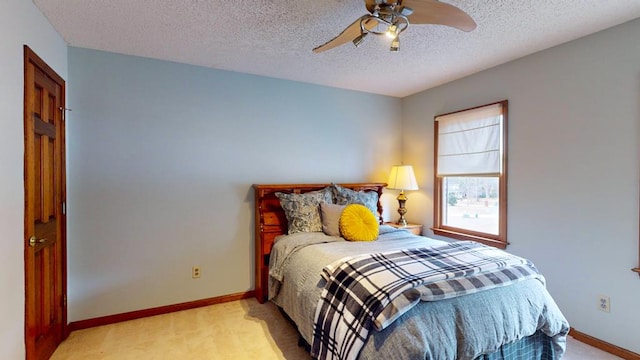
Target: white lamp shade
x=402, y=178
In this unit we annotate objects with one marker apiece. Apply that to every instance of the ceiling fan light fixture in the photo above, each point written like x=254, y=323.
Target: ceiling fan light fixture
x=392, y=31
x=360, y=39
x=395, y=45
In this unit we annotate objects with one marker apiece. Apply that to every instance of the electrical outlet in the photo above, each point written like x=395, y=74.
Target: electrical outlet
x=195, y=272
x=604, y=303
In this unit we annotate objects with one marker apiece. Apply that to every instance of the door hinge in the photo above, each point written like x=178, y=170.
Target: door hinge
x=64, y=300
x=64, y=208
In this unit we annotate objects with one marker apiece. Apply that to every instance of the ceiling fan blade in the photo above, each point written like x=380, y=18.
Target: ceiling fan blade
x=435, y=12
x=351, y=32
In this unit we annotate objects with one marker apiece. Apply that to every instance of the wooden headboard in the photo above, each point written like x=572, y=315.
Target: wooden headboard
x=271, y=222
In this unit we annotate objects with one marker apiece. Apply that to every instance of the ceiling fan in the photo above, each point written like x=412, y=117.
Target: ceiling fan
x=391, y=17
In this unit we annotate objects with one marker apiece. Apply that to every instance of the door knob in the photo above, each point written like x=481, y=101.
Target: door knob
x=33, y=241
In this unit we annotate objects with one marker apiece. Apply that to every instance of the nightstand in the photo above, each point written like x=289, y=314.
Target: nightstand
x=413, y=228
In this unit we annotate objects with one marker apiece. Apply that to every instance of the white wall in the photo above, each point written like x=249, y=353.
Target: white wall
x=162, y=157
x=20, y=23
x=574, y=113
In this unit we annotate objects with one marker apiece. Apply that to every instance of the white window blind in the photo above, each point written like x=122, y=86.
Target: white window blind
x=470, y=142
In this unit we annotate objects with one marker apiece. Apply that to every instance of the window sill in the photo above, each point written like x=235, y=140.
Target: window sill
x=463, y=236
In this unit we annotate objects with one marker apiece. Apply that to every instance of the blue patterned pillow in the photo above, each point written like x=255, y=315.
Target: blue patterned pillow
x=344, y=196
x=303, y=210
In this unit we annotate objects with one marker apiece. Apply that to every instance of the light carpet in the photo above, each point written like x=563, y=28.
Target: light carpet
x=241, y=329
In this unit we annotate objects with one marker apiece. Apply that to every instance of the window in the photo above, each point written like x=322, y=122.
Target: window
x=470, y=195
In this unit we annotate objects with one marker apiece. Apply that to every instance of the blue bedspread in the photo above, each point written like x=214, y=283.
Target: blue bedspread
x=360, y=289
x=464, y=327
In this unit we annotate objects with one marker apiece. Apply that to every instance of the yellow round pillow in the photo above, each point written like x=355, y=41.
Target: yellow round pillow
x=357, y=223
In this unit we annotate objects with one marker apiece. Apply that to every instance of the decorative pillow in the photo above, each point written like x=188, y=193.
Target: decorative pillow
x=344, y=196
x=330, y=214
x=303, y=210
x=357, y=223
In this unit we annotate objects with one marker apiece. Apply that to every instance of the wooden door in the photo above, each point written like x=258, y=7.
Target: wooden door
x=45, y=224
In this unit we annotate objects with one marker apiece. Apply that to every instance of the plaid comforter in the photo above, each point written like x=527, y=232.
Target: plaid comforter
x=372, y=290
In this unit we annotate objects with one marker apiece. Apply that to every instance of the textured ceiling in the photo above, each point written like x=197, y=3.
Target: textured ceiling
x=274, y=37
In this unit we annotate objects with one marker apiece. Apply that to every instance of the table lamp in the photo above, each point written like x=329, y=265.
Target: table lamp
x=402, y=178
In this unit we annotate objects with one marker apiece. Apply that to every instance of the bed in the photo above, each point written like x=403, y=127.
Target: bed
x=515, y=321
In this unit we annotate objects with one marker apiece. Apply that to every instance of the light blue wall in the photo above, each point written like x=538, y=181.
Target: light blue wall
x=574, y=113
x=162, y=157
x=20, y=23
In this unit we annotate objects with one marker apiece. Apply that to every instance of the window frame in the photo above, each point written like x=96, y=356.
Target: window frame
x=499, y=240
